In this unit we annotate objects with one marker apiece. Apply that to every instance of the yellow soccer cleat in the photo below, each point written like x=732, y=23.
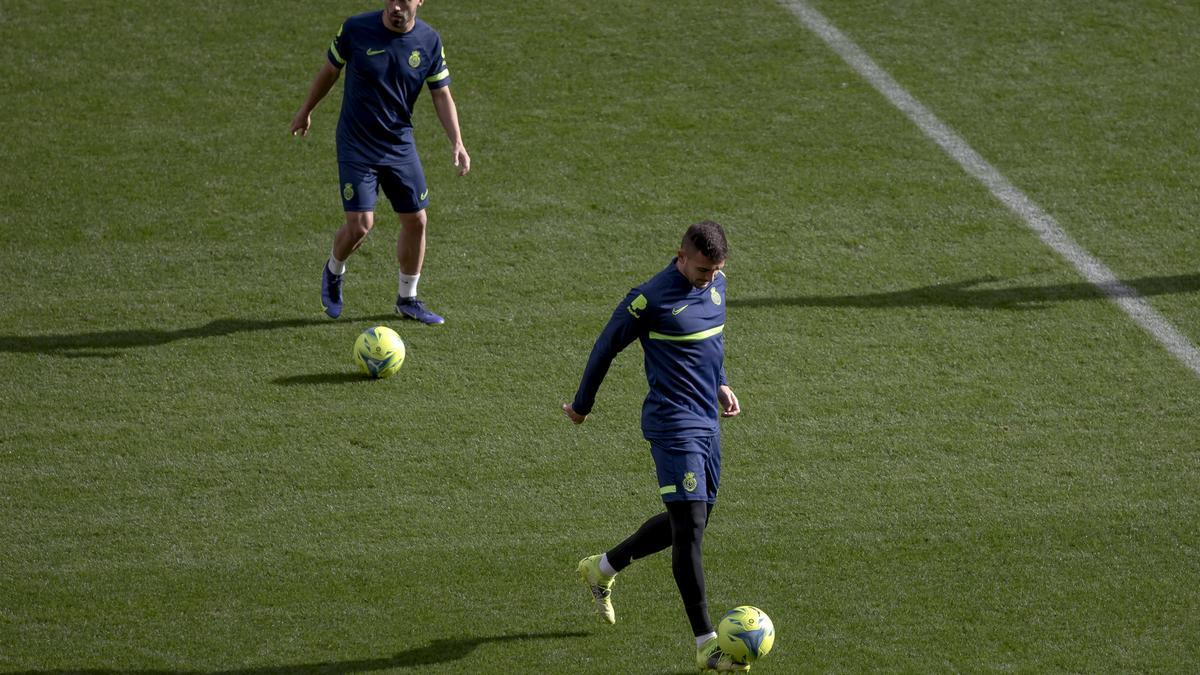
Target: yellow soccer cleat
x=710, y=659
x=599, y=585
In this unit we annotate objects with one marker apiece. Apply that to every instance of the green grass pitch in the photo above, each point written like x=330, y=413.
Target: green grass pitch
x=955, y=455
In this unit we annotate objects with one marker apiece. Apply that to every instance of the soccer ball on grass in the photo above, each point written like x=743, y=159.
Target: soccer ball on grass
x=746, y=634
x=379, y=352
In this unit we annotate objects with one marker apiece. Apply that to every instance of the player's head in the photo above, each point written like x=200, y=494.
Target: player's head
x=399, y=15
x=702, y=253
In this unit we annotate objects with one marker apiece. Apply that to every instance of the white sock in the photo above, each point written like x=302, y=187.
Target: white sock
x=701, y=639
x=336, y=266
x=408, y=285
x=606, y=568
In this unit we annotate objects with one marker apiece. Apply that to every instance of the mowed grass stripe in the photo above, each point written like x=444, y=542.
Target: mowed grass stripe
x=1043, y=224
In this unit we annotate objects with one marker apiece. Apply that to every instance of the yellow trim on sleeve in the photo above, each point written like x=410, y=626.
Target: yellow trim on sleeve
x=333, y=50
x=439, y=77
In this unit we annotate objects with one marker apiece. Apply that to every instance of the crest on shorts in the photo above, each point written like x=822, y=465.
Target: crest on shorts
x=414, y=59
x=716, y=297
x=689, y=481
x=348, y=192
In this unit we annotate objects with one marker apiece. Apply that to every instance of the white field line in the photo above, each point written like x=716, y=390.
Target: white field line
x=1038, y=220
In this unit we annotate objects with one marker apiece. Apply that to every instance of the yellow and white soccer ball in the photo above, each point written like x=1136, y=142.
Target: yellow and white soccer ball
x=379, y=352
x=746, y=634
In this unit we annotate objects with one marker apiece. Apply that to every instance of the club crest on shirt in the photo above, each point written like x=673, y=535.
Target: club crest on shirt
x=639, y=303
x=689, y=481
x=716, y=297
x=414, y=59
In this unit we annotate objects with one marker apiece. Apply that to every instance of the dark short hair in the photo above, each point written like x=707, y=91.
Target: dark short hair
x=708, y=238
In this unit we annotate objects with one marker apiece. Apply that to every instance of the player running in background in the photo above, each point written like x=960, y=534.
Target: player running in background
x=388, y=57
x=678, y=316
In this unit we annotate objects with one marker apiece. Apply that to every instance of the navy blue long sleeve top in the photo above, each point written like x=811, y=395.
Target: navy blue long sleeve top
x=681, y=329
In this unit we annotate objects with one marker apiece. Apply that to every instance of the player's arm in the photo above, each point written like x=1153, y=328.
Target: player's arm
x=623, y=328
x=326, y=77
x=438, y=80
x=447, y=114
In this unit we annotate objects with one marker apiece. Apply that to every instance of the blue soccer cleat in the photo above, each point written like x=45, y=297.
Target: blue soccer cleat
x=331, y=292
x=412, y=308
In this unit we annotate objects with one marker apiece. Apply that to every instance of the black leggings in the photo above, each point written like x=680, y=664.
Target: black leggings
x=681, y=527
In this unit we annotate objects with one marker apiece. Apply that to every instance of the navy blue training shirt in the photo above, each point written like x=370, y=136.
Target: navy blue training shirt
x=384, y=73
x=681, y=330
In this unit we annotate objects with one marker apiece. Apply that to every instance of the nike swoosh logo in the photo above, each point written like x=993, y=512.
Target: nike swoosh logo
x=677, y=310
x=374, y=52
x=424, y=194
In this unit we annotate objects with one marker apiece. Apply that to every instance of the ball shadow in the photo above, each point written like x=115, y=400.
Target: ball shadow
x=321, y=378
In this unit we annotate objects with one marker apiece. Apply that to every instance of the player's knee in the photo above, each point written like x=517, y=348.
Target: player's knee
x=686, y=536
x=414, y=222
x=359, y=224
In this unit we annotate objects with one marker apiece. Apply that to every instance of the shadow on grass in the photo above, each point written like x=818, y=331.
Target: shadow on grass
x=962, y=294
x=322, y=378
x=109, y=343
x=438, y=651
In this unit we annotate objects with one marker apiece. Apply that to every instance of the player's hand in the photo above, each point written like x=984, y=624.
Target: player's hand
x=463, y=161
x=728, y=401
x=300, y=123
x=574, y=416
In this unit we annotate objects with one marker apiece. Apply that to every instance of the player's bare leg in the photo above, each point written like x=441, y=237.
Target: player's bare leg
x=352, y=233
x=346, y=241
x=410, y=246
x=410, y=255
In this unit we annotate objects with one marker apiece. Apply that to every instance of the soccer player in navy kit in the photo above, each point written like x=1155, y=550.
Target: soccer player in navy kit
x=388, y=57
x=679, y=318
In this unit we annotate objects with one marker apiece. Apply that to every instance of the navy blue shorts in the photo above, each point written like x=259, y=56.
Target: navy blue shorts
x=689, y=469
x=404, y=185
